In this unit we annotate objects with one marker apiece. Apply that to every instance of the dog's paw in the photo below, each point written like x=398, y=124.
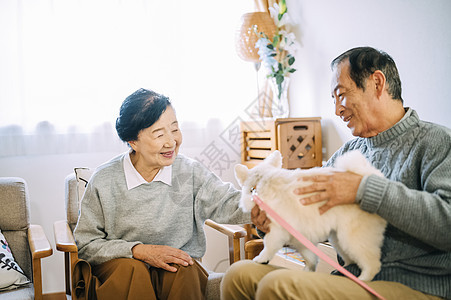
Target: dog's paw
x=368, y=273
x=265, y=262
x=261, y=260
x=366, y=277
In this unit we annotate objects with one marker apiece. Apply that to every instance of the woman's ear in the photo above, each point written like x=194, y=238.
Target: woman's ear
x=132, y=145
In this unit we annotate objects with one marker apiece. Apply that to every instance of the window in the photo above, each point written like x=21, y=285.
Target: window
x=68, y=64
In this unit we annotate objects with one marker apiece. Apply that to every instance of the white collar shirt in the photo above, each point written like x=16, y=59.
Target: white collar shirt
x=134, y=179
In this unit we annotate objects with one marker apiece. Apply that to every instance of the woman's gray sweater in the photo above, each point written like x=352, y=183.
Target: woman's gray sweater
x=113, y=219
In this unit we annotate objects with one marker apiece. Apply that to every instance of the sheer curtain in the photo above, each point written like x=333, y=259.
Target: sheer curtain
x=66, y=66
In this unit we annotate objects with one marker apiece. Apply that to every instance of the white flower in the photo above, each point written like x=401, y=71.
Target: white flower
x=289, y=42
x=274, y=12
x=262, y=42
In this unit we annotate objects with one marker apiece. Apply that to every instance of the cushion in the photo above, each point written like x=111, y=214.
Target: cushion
x=213, y=286
x=82, y=175
x=11, y=275
x=24, y=293
x=14, y=197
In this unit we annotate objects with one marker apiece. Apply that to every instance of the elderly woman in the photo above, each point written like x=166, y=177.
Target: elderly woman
x=142, y=215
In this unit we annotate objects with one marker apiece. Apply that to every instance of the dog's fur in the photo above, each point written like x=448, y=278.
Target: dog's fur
x=355, y=234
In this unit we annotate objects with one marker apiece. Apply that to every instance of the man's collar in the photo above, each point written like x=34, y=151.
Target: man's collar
x=134, y=179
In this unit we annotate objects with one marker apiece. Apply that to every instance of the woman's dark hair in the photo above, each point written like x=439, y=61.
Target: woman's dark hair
x=364, y=61
x=139, y=111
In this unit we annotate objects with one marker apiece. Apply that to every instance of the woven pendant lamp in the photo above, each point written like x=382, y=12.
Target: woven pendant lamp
x=246, y=38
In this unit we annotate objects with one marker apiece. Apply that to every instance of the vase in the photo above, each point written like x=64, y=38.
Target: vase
x=279, y=107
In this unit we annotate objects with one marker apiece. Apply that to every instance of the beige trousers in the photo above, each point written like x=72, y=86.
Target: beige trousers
x=127, y=278
x=248, y=280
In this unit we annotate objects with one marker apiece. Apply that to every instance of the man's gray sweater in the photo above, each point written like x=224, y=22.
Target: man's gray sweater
x=414, y=198
x=113, y=219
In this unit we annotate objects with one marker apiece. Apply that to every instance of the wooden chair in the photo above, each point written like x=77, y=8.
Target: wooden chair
x=253, y=243
x=27, y=242
x=64, y=239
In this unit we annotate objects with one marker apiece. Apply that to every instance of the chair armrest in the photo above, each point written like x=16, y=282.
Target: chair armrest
x=39, y=244
x=234, y=234
x=233, y=231
x=252, y=248
x=40, y=248
x=64, y=238
x=65, y=242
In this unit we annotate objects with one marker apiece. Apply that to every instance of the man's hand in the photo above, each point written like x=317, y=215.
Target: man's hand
x=337, y=189
x=161, y=256
x=260, y=219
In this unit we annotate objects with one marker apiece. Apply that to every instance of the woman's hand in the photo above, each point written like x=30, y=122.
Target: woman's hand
x=337, y=188
x=259, y=218
x=161, y=256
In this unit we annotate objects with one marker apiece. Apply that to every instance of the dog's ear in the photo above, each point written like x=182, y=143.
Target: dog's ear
x=241, y=172
x=275, y=159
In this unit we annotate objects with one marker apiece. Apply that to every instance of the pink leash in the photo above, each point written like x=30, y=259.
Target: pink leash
x=311, y=246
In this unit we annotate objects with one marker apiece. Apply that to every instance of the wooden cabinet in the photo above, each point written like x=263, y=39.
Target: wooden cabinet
x=298, y=139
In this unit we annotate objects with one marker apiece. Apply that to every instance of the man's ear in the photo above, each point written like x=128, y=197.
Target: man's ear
x=379, y=81
x=241, y=173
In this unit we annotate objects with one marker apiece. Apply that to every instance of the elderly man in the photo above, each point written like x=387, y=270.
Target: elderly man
x=414, y=197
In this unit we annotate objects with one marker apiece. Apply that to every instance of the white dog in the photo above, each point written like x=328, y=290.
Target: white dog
x=355, y=234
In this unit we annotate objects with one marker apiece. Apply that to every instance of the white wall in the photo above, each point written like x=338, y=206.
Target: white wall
x=414, y=32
